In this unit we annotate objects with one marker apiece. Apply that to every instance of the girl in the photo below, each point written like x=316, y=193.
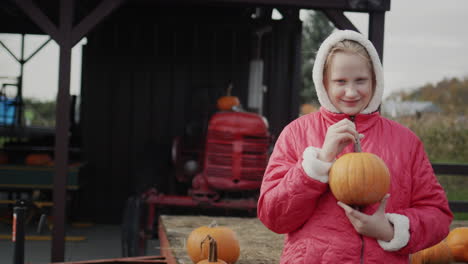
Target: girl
x=295, y=198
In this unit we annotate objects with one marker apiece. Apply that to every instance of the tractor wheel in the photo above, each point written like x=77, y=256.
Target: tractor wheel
x=133, y=235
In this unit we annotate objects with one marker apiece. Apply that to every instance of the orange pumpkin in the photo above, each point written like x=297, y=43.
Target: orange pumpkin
x=437, y=254
x=213, y=253
x=38, y=159
x=226, y=239
x=307, y=109
x=457, y=240
x=359, y=179
x=227, y=102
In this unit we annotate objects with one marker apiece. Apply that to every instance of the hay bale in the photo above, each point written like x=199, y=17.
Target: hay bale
x=258, y=244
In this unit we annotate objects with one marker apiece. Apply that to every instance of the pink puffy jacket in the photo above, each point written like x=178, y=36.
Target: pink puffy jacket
x=317, y=229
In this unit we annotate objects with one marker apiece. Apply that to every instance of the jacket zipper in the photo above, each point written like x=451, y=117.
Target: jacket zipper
x=352, y=118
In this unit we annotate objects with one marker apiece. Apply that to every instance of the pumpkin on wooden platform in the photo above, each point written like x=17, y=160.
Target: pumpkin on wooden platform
x=228, y=244
x=227, y=102
x=359, y=178
x=38, y=159
x=437, y=254
x=213, y=253
x=457, y=241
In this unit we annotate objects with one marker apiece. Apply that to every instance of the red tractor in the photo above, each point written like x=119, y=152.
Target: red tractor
x=226, y=173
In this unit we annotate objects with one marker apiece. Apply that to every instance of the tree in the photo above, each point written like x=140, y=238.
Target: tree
x=38, y=113
x=315, y=29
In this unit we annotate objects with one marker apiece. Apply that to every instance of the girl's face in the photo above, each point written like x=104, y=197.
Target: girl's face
x=349, y=82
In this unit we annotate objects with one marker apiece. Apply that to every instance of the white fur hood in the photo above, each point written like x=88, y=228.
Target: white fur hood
x=317, y=73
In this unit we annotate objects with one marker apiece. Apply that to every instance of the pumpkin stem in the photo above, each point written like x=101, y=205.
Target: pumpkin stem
x=213, y=254
x=213, y=251
x=213, y=224
x=357, y=145
x=229, y=89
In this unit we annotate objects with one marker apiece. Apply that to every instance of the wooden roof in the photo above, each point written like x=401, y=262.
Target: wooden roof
x=14, y=20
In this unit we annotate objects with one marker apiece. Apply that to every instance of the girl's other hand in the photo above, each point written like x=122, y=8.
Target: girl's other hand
x=376, y=225
x=338, y=136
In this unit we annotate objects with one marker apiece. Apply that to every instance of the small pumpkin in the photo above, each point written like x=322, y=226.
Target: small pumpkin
x=457, y=240
x=359, y=178
x=226, y=239
x=437, y=254
x=38, y=159
x=307, y=109
x=227, y=102
x=213, y=253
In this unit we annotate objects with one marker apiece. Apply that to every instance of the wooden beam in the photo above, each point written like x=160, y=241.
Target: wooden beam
x=61, y=130
x=459, y=206
x=450, y=169
x=105, y=8
x=38, y=17
x=347, y=5
x=376, y=31
x=338, y=18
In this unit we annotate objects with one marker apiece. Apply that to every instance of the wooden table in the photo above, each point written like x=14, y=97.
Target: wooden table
x=34, y=177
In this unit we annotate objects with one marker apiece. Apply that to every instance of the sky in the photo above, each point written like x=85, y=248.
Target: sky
x=425, y=42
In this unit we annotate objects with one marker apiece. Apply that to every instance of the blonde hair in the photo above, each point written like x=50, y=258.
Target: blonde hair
x=353, y=47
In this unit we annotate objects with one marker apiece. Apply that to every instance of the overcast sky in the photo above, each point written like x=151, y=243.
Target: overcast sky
x=425, y=42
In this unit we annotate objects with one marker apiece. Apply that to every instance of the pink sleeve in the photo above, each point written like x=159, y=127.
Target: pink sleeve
x=288, y=196
x=429, y=213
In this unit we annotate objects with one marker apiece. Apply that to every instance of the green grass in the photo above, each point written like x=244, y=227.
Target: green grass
x=456, y=188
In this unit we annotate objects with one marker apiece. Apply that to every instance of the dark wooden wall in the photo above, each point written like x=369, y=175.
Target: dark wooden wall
x=152, y=74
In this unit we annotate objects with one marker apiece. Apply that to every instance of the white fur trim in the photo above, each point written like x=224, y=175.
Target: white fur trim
x=313, y=167
x=317, y=72
x=401, y=236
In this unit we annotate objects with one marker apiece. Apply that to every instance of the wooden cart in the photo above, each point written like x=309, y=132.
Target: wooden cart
x=258, y=245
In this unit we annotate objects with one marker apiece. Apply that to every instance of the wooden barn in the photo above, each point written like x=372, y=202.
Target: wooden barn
x=153, y=70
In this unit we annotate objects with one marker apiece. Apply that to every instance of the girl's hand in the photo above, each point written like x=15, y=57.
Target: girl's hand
x=338, y=136
x=376, y=225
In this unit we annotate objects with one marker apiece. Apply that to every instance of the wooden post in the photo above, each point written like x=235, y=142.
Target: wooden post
x=338, y=19
x=376, y=31
x=61, y=131
x=66, y=36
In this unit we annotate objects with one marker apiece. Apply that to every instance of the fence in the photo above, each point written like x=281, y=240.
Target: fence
x=453, y=169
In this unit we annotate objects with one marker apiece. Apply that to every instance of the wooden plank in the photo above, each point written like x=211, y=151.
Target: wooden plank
x=20, y=175
x=104, y=9
x=279, y=110
x=142, y=161
x=97, y=82
x=45, y=238
x=165, y=246
x=377, y=31
x=459, y=206
x=357, y=5
x=34, y=186
x=338, y=18
x=119, y=177
x=133, y=260
x=38, y=17
x=62, y=129
x=295, y=58
x=450, y=169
